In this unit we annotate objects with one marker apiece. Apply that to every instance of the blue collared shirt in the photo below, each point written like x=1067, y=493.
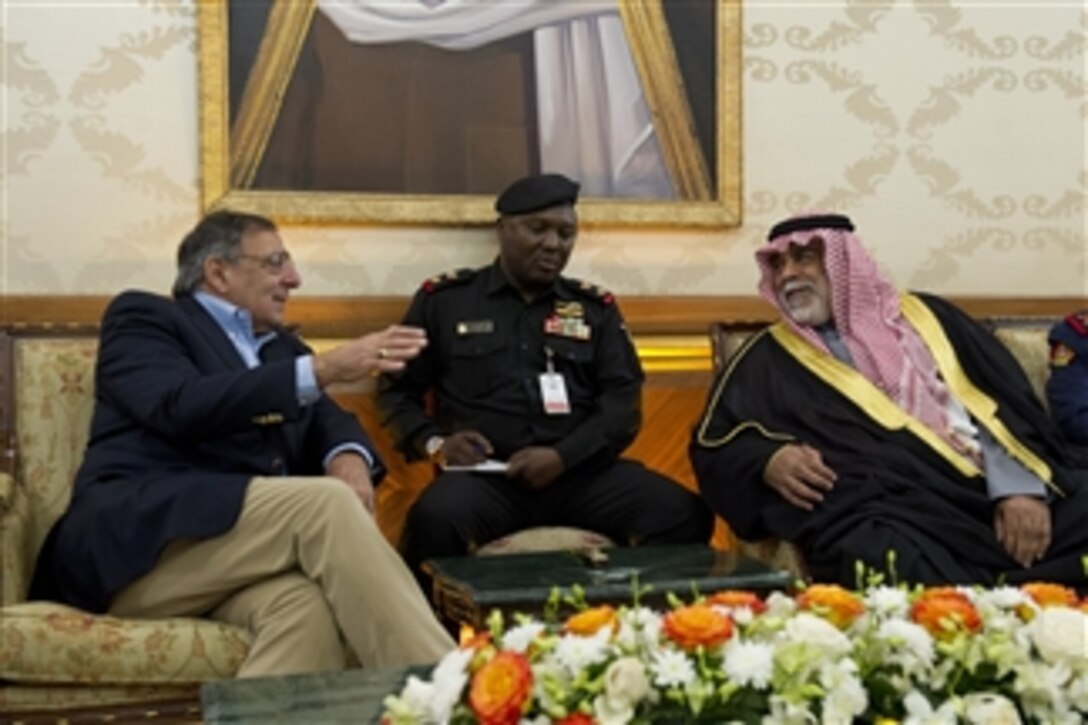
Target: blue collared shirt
x=237, y=324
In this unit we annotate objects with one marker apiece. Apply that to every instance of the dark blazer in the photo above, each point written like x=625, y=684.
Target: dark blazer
x=180, y=426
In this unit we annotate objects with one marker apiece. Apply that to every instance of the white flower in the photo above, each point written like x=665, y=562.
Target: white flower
x=1060, y=634
x=449, y=678
x=784, y=712
x=741, y=615
x=520, y=637
x=1042, y=689
x=887, y=601
x=846, y=697
x=920, y=712
x=817, y=632
x=625, y=685
x=1078, y=692
x=412, y=705
x=625, y=681
x=550, y=682
x=639, y=628
x=672, y=669
x=749, y=663
x=780, y=605
x=576, y=652
x=609, y=712
x=1004, y=598
x=911, y=644
x=988, y=708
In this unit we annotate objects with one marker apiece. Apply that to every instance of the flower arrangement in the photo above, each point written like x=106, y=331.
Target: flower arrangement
x=884, y=654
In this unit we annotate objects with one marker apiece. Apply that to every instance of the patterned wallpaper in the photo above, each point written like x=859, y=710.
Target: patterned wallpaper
x=953, y=133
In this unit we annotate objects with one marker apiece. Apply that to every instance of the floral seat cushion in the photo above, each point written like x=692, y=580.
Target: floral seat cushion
x=42, y=642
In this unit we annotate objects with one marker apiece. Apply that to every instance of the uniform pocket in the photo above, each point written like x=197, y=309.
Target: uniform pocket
x=478, y=363
x=579, y=352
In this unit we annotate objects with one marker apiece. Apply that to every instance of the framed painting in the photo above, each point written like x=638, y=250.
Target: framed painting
x=420, y=111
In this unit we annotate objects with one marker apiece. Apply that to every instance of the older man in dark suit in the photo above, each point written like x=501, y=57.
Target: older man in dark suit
x=220, y=481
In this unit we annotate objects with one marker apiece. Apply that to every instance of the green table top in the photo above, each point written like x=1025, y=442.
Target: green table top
x=507, y=581
x=353, y=696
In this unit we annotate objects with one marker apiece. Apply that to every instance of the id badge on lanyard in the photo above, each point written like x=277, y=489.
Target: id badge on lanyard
x=553, y=388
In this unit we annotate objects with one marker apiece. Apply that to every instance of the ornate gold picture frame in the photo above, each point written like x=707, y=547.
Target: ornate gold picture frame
x=258, y=150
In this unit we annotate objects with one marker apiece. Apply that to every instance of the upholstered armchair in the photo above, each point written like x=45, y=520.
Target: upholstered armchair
x=54, y=656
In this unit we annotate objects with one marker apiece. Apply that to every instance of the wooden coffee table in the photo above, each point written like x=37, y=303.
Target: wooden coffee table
x=467, y=589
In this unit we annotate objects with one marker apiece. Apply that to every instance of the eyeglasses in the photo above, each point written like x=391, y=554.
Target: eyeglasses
x=274, y=262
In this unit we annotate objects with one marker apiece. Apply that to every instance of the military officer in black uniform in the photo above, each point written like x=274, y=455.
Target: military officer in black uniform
x=1067, y=386
x=535, y=370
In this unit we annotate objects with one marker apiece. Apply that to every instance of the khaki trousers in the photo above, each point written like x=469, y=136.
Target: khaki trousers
x=304, y=564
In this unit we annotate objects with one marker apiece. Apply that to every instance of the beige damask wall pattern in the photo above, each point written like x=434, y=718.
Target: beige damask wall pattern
x=954, y=133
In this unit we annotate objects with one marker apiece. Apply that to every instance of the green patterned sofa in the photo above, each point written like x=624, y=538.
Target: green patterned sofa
x=1025, y=337
x=53, y=656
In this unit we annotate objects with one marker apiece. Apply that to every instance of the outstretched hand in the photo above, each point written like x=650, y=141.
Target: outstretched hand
x=386, y=351
x=798, y=473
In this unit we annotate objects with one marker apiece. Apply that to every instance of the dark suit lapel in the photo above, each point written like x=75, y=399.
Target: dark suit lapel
x=212, y=333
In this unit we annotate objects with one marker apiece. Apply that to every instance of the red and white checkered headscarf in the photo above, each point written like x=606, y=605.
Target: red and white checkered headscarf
x=865, y=311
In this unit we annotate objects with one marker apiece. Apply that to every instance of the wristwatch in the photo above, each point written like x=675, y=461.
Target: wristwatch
x=433, y=447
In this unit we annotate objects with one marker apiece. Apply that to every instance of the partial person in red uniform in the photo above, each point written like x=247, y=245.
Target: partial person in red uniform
x=1067, y=385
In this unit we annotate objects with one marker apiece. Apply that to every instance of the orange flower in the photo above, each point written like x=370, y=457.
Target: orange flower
x=475, y=640
x=738, y=598
x=945, y=613
x=578, y=718
x=482, y=648
x=1050, y=595
x=697, y=625
x=830, y=601
x=591, y=621
x=500, y=689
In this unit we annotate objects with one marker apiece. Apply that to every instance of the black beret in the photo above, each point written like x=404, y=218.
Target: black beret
x=533, y=193
x=808, y=223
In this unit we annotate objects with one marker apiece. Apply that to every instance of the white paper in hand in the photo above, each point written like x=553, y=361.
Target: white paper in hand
x=488, y=466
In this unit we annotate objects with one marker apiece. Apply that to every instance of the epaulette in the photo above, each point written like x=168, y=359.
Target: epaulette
x=1079, y=322
x=446, y=279
x=592, y=291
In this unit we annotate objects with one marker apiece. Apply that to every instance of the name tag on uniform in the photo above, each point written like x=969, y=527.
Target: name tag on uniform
x=475, y=327
x=553, y=391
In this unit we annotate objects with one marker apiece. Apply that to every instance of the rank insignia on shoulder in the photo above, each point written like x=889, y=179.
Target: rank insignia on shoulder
x=593, y=290
x=446, y=278
x=1061, y=355
x=475, y=327
x=572, y=327
x=1079, y=322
